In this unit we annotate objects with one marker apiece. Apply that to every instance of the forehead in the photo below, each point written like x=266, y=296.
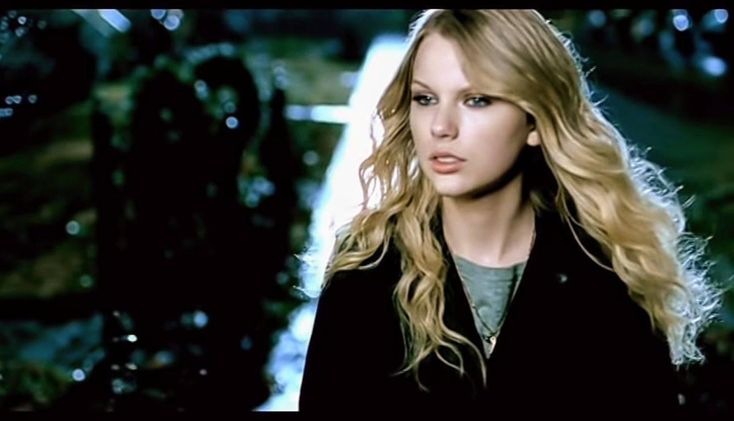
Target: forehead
x=444, y=63
x=439, y=60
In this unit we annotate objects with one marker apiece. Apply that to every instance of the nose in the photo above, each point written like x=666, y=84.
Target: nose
x=444, y=125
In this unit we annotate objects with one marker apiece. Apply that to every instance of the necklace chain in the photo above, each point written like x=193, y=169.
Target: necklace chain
x=491, y=339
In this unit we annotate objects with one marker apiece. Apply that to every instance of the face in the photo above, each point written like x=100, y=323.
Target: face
x=466, y=141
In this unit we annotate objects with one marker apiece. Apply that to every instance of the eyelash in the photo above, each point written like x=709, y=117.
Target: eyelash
x=420, y=98
x=487, y=100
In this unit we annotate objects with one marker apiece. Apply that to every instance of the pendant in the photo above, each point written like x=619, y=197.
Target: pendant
x=492, y=341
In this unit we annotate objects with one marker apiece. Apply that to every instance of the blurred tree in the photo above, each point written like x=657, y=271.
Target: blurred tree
x=185, y=267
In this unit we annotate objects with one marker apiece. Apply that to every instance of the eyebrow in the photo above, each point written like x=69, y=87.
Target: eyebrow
x=418, y=82
x=425, y=85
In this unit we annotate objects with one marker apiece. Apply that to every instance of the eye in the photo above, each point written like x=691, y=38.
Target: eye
x=423, y=99
x=479, y=101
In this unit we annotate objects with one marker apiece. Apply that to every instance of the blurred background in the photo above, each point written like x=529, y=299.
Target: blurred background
x=162, y=171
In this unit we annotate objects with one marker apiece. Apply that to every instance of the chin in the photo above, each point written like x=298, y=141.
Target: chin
x=463, y=190
x=453, y=194
x=445, y=190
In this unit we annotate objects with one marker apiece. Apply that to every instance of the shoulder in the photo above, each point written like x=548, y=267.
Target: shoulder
x=570, y=250
x=582, y=269
x=615, y=325
x=377, y=274
x=357, y=300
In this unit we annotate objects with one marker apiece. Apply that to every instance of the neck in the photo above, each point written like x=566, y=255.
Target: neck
x=494, y=230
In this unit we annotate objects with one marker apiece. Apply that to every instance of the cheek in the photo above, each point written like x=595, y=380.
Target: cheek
x=414, y=121
x=493, y=147
x=417, y=133
x=497, y=134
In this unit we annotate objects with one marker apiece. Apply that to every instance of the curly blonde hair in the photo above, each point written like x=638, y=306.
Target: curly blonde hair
x=598, y=182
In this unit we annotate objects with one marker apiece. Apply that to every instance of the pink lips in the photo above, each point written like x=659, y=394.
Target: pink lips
x=446, y=163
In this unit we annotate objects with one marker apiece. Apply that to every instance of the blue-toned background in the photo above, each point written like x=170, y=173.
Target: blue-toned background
x=162, y=172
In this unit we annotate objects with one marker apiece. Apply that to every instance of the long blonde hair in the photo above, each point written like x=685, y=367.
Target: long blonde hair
x=600, y=184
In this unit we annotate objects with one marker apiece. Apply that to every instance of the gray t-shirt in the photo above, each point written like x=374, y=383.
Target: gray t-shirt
x=490, y=290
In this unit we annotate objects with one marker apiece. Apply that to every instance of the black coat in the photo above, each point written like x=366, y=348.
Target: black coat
x=573, y=342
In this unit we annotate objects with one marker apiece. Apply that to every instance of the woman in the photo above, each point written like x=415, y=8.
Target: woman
x=520, y=258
